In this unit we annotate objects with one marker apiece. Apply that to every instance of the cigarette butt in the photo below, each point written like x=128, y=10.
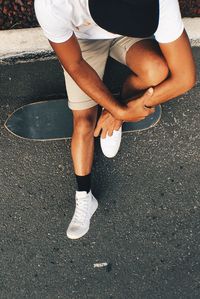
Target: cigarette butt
x=100, y=265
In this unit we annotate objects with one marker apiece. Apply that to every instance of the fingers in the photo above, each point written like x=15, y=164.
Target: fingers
x=143, y=100
x=97, y=132
x=107, y=131
x=98, y=129
x=106, y=125
x=110, y=131
x=149, y=110
x=99, y=125
x=148, y=94
x=102, y=126
x=104, y=133
x=117, y=125
x=146, y=98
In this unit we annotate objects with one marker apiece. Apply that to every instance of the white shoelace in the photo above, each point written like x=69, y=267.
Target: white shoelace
x=81, y=210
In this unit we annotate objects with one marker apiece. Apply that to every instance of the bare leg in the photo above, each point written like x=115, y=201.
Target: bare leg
x=82, y=149
x=148, y=66
x=82, y=145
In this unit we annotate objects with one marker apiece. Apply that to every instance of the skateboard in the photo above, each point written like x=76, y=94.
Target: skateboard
x=52, y=120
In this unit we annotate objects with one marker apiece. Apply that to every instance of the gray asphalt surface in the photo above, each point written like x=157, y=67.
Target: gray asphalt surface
x=147, y=226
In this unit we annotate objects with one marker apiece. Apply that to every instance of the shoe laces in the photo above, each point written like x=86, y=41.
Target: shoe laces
x=81, y=210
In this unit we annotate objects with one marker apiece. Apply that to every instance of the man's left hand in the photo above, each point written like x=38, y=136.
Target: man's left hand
x=107, y=124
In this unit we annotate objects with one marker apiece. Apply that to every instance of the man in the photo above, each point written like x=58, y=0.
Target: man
x=146, y=35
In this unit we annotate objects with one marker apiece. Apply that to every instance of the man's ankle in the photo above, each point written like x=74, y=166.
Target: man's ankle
x=83, y=183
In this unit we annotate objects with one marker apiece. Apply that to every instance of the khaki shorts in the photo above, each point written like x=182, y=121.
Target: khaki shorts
x=96, y=53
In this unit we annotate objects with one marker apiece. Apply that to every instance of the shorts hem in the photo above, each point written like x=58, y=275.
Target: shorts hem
x=81, y=106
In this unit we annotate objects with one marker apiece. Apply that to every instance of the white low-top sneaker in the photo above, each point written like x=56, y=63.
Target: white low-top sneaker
x=86, y=205
x=111, y=144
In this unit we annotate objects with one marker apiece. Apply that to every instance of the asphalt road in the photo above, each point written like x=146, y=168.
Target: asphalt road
x=146, y=229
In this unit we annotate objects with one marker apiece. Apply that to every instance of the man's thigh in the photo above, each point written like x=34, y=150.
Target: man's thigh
x=95, y=53
x=121, y=46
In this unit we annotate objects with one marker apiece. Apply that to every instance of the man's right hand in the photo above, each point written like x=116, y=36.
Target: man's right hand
x=136, y=109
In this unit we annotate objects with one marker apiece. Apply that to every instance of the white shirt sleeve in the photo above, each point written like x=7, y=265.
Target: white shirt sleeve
x=170, y=25
x=55, y=29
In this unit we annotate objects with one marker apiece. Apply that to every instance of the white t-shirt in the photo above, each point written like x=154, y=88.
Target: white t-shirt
x=59, y=19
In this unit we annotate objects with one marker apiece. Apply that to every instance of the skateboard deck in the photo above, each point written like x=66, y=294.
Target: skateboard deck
x=52, y=120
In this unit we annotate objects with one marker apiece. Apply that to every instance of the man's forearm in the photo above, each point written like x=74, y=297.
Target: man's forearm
x=179, y=58
x=169, y=89
x=88, y=80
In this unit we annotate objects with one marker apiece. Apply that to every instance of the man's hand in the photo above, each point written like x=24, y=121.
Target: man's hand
x=134, y=111
x=107, y=124
x=137, y=109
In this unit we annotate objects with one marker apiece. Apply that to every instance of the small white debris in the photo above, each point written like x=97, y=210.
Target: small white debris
x=100, y=265
x=175, y=120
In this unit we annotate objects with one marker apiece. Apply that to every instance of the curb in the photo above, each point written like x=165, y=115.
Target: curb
x=22, y=45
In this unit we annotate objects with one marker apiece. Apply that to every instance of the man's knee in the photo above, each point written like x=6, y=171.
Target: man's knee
x=84, y=124
x=154, y=72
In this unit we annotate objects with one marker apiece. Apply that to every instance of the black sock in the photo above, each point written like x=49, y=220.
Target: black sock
x=84, y=182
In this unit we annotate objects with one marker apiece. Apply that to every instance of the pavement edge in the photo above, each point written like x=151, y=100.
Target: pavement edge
x=22, y=45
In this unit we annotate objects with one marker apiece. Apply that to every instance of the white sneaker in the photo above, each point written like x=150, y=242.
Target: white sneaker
x=86, y=205
x=111, y=144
